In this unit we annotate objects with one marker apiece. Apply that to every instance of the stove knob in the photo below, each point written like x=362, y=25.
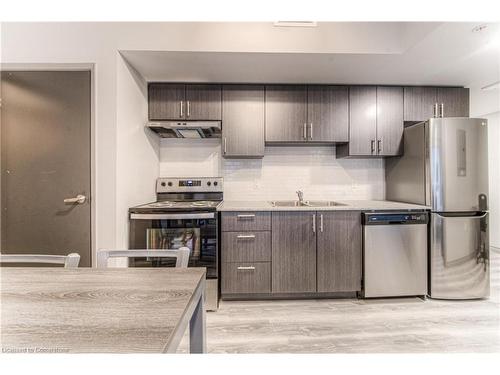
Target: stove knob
x=209, y=183
x=170, y=183
x=215, y=183
x=163, y=184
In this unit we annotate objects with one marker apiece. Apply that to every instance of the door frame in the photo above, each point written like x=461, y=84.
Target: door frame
x=89, y=67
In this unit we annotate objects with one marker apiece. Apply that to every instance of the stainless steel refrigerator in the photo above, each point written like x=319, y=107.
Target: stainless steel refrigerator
x=445, y=167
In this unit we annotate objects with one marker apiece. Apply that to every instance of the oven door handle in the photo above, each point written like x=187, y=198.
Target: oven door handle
x=204, y=215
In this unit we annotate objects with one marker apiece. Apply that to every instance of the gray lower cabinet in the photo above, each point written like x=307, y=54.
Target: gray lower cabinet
x=328, y=113
x=246, y=278
x=339, y=251
x=243, y=121
x=246, y=246
x=296, y=252
x=286, y=113
x=246, y=221
x=423, y=103
x=293, y=252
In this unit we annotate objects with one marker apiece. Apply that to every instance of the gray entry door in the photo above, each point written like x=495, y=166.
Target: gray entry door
x=45, y=158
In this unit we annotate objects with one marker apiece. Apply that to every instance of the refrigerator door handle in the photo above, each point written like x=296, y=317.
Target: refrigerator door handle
x=461, y=217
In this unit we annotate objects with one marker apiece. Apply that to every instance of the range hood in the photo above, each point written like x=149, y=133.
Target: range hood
x=186, y=129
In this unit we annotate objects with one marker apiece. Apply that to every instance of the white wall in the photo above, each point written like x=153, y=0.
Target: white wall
x=281, y=172
x=486, y=104
x=137, y=149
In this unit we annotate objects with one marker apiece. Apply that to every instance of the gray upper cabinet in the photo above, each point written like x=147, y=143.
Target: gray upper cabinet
x=203, y=102
x=390, y=122
x=293, y=252
x=363, y=120
x=339, y=251
x=328, y=113
x=243, y=121
x=453, y=101
x=376, y=122
x=286, y=113
x=171, y=101
x=419, y=103
x=166, y=101
x=423, y=103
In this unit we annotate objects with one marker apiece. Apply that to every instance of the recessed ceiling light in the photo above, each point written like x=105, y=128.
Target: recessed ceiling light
x=295, y=24
x=491, y=86
x=479, y=28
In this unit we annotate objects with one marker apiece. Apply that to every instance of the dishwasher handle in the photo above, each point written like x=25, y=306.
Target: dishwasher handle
x=395, y=218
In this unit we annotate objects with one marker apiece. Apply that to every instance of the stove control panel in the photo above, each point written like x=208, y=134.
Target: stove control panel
x=183, y=184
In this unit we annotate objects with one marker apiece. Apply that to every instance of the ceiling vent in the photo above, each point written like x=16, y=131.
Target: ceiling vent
x=295, y=24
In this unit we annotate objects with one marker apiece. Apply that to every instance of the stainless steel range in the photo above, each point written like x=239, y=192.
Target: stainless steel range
x=183, y=215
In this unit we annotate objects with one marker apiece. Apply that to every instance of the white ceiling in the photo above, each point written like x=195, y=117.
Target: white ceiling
x=354, y=53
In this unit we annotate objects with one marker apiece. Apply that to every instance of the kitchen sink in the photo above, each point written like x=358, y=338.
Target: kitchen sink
x=306, y=204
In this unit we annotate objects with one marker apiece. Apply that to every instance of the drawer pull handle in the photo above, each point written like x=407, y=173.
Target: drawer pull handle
x=246, y=216
x=245, y=236
x=249, y=268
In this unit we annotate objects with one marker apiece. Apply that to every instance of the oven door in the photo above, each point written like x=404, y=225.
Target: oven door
x=196, y=230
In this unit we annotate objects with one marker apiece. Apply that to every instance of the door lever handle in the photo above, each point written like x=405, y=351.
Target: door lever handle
x=79, y=199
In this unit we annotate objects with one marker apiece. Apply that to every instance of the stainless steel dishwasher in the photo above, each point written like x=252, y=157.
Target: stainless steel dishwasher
x=394, y=254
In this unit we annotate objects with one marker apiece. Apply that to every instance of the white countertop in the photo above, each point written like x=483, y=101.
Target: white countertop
x=348, y=205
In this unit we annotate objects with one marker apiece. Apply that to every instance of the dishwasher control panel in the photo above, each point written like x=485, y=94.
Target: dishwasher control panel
x=390, y=218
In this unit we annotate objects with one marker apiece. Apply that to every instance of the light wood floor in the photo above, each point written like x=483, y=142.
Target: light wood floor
x=358, y=326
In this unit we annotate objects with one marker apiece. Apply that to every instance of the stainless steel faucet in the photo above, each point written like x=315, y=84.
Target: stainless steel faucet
x=301, y=197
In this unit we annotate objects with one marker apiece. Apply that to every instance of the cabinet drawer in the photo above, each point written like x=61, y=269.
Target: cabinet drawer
x=245, y=220
x=246, y=246
x=246, y=278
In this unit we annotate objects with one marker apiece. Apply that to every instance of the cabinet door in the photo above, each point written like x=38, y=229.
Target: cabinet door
x=339, y=251
x=328, y=113
x=293, y=252
x=455, y=101
x=419, y=103
x=243, y=121
x=389, y=120
x=286, y=113
x=203, y=102
x=166, y=101
x=363, y=120
x=246, y=278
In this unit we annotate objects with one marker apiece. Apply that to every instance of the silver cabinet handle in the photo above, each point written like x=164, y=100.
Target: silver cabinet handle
x=321, y=223
x=314, y=223
x=245, y=236
x=79, y=199
x=311, y=134
x=373, y=145
x=435, y=110
x=248, y=268
x=304, y=130
x=225, y=145
x=245, y=216
x=182, y=108
x=188, y=108
x=441, y=110
x=379, y=146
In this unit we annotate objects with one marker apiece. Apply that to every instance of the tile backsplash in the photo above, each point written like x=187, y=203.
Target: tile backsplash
x=282, y=171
